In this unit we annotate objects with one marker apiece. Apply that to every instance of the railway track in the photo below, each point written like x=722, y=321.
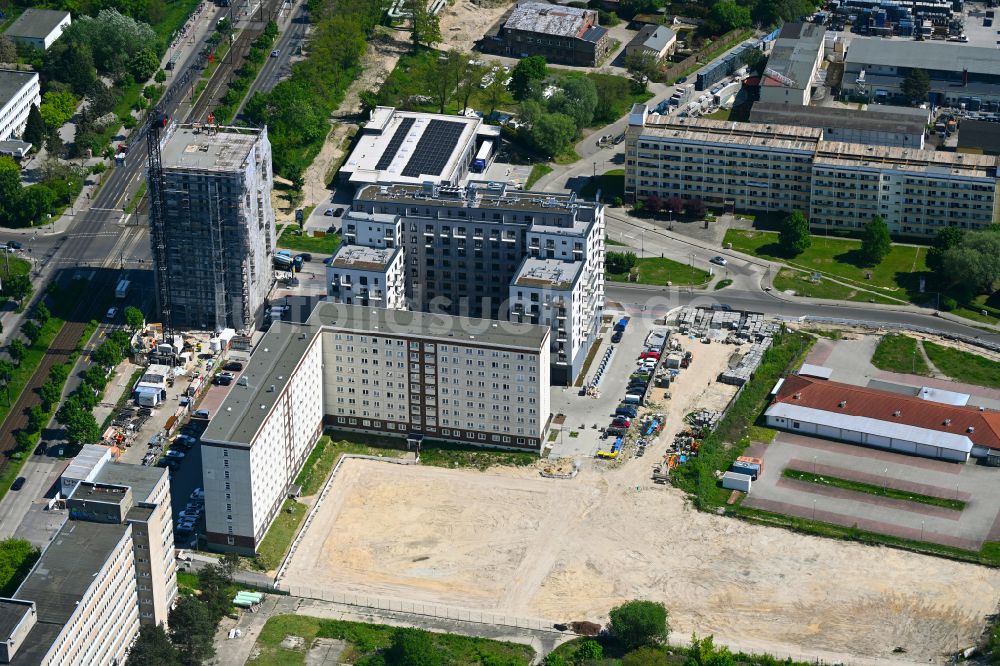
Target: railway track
x=233, y=60
x=62, y=347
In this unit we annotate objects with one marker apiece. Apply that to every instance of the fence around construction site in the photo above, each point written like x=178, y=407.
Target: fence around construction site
x=363, y=601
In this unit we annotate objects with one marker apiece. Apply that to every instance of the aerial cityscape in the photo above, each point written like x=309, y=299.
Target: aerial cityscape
x=499, y=332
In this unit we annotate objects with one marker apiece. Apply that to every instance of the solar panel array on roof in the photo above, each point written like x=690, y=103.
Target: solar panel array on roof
x=434, y=148
x=394, y=143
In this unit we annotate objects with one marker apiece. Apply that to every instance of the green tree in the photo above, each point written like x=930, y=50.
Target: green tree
x=17, y=350
x=31, y=330
x=134, y=318
x=916, y=84
x=214, y=582
x=17, y=287
x=578, y=100
x=496, y=95
x=144, y=64
x=8, y=50
x=57, y=108
x=620, y=262
x=17, y=556
x=34, y=130
x=153, y=648
x=71, y=61
x=973, y=266
x=794, y=238
x=645, y=656
x=525, y=73
x=42, y=314
x=441, y=75
x=10, y=193
x=96, y=376
x=589, y=649
x=610, y=90
x=368, y=99
x=470, y=75
x=191, y=631
x=413, y=647
x=49, y=392
x=426, y=26
x=37, y=417
x=552, y=133
x=6, y=375
x=160, y=76
x=81, y=426
x=944, y=240
x=34, y=205
x=875, y=241
x=107, y=354
x=642, y=66
x=638, y=623
x=726, y=15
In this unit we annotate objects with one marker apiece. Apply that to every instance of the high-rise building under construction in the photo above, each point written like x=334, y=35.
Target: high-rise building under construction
x=211, y=225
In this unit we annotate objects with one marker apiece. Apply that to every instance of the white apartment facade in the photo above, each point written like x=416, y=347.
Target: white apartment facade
x=107, y=571
x=367, y=276
x=373, y=370
x=18, y=91
x=753, y=166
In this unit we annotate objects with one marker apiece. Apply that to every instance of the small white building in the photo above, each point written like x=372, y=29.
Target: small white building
x=151, y=388
x=39, y=28
x=882, y=419
x=373, y=276
x=18, y=91
x=84, y=467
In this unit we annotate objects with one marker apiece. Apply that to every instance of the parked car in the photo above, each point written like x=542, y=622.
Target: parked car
x=622, y=422
x=720, y=260
x=175, y=454
x=233, y=366
x=18, y=482
x=222, y=380
x=14, y=245
x=339, y=211
x=306, y=256
x=110, y=314
x=616, y=336
x=328, y=212
x=328, y=261
x=625, y=410
x=275, y=53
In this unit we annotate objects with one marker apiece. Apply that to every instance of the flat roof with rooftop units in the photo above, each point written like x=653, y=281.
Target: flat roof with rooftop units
x=700, y=130
x=926, y=55
x=360, y=257
x=906, y=159
x=208, y=147
x=494, y=195
x=548, y=273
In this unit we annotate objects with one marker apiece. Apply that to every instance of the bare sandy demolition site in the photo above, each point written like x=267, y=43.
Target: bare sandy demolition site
x=508, y=541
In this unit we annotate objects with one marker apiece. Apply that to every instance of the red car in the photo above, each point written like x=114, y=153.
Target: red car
x=650, y=354
x=621, y=422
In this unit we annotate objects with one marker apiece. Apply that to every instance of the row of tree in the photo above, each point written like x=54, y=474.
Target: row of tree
x=297, y=110
x=192, y=622
x=720, y=16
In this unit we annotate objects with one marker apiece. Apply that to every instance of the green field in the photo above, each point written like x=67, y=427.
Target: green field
x=368, y=641
x=537, y=171
x=900, y=353
x=800, y=283
x=870, y=489
x=290, y=240
x=279, y=536
x=963, y=366
x=658, y=271
x=897, y=276
x=610, y=183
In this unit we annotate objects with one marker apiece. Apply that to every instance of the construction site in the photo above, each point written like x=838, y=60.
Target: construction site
x=570, y=547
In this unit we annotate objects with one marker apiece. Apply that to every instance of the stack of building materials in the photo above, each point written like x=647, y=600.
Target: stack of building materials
x=726, y=319
x=744, y=370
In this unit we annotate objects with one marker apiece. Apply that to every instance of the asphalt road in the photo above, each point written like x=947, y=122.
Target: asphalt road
x=292, y=22
x=657, y=300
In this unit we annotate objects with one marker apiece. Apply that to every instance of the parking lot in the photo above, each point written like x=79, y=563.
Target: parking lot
x=973, y=484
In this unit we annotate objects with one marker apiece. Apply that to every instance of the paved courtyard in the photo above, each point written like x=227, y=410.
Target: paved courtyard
x=976, y=485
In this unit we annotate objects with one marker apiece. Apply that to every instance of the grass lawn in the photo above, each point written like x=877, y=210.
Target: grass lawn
x=279, y=537
x=658, y=271
x=174, y=15
x=369, y=639
x=898, y=275
x=325, y=455
x=537, y=171
x=289, y=240
x=899, y=353
x=450, y=454
x=963, y=366
x=610, y=183
x=759, y=433
x=870, y=489
x=800, y=283
x=187, y=582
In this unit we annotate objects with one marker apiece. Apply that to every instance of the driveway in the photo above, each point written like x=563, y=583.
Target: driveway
x=968, y=529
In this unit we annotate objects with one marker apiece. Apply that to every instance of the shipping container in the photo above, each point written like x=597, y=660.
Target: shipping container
x=739, y=482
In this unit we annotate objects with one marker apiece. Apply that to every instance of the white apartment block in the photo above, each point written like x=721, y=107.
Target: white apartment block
x=463, y=248
x=368, y=369
x=18, y=91
x=109, y=570
x=367, y=276
x=752, y=166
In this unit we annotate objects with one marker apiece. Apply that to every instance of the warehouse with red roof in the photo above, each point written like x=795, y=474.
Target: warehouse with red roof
x=882, y=419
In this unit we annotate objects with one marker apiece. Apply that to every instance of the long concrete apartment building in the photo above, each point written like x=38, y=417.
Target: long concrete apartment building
x=756, y=166
x=465, y=251
x=351, y=367
x=108, y=570
x=213, y=234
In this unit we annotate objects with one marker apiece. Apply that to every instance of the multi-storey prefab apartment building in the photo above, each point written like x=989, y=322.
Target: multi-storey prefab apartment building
x=369, y=369
x=213, y=242
x=464, y=249
x=840, y=186
x=110, y=569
